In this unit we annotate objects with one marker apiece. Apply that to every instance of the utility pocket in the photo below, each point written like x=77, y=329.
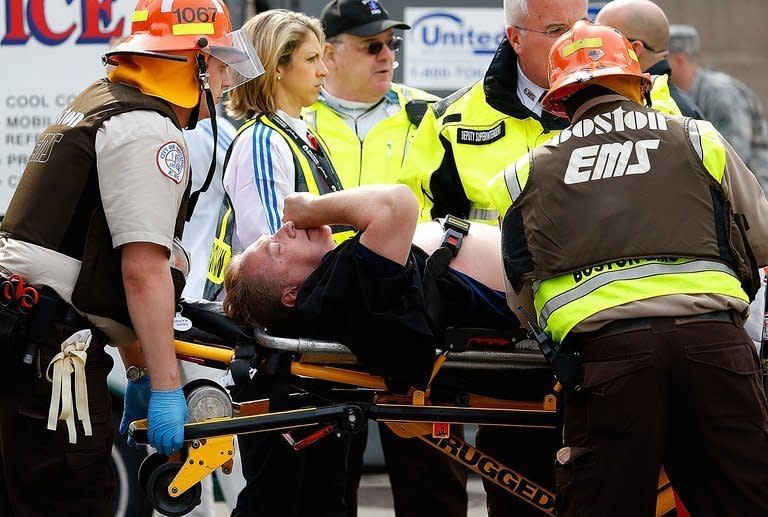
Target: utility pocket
x=726, y=377
x=616, y=391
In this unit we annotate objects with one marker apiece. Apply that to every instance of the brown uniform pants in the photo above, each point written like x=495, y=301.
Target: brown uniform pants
x=43, y=474
x=685, y=394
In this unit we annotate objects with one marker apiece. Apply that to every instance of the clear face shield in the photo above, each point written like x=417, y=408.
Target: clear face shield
x=237, y=52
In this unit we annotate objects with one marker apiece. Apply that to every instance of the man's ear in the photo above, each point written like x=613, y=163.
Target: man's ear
x=638, y=47
x=288, y=298
x=513, y=36
x=329, y=55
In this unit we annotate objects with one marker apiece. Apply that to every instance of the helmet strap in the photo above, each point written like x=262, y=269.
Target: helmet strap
x=648, y=100
x=206, y=87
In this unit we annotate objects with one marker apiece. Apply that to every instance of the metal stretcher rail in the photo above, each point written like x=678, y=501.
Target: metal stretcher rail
x=525, y=355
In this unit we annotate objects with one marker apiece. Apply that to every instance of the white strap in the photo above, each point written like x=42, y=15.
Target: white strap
x=70, y=360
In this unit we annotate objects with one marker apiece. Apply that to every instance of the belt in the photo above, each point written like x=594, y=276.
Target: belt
x=625, y=325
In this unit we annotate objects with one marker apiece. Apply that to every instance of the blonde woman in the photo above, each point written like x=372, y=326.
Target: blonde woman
x=275, y=153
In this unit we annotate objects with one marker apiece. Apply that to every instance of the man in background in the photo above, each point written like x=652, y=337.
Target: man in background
x=646, y=26
x=729, y=104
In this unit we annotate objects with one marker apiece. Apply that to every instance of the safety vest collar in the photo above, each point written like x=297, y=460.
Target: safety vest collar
x=660, y=68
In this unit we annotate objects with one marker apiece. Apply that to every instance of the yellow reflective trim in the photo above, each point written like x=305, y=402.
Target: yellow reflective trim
x=713, y=149
x=221, y=252
x=139, y=16
x=620, y=292
x=497, y=191
x=580, y=44
x=632, y=54
x=185, y=29
x=661, y=97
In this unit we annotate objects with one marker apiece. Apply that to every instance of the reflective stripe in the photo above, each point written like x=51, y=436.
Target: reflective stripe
x=643, y=271
x=221, y=253
x=139, y=16
x=513, y=185
x=713, y=149
x=185, y=29
x=693, y=134
x=483, y=214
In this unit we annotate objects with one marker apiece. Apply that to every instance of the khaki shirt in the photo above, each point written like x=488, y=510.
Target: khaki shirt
x=141, y=198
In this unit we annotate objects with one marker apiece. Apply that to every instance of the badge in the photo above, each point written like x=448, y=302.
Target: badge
x=372, y=5
x=595, y=54
x=171, y=161
x=181, y=323
x=481, y=137
x=528, y=93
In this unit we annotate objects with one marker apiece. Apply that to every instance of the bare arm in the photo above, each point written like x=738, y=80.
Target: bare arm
x=386, y=214
x=150, y=296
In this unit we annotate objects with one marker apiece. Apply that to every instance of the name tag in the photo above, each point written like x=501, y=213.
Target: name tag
x=481, y=137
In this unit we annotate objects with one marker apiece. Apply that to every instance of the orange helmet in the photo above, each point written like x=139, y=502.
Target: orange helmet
x=593, y=54
x=159, y=26
x=176, y=31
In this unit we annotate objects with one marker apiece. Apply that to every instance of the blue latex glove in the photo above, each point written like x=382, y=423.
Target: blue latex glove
x=135, y=404
x=167, y=414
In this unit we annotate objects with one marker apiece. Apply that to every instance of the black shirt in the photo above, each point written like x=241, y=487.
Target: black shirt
x=376, y=307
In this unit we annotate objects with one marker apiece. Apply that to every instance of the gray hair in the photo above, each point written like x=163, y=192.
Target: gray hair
x=684, y=39
x=514, y=10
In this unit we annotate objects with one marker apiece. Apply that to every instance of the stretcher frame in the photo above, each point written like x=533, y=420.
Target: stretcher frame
x=210, y=444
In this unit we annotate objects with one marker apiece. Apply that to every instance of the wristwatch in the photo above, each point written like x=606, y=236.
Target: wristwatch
x=134, y=373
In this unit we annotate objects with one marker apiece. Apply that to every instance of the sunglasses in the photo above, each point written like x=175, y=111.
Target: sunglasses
x=647, y=47
x=374, y=47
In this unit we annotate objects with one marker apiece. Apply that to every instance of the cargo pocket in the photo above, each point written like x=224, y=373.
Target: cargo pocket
x=615, y=391
x=726, y=378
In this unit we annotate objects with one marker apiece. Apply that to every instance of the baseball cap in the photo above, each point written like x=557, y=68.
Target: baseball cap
x=683, y=38
x=359, y=17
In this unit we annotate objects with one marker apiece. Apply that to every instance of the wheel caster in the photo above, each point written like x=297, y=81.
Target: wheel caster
x=157, y=492
x=148, y=466
x=205, y=400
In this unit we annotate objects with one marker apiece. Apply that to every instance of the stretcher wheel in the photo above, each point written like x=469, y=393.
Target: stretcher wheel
x=161, y=500
x=148, y=466
x=206, y=400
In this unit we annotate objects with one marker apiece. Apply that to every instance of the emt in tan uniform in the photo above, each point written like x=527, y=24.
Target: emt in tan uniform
x=91, y=228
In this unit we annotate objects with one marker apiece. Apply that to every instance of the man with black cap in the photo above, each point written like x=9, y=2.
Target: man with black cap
x=367, y=123
x=366, y=120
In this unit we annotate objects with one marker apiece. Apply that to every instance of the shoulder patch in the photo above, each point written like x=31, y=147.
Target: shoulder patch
x=442, y=105
x=481, y=137
x=171, y=161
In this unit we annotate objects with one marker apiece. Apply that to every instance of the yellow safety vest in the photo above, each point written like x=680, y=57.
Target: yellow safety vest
x=379, y=157
x=307, y=176
x=564, y=301
x=661, y=97
x=482, y=141
x=465, y=140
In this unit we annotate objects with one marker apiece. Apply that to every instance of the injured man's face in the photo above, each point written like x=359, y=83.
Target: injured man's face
x=290, y=255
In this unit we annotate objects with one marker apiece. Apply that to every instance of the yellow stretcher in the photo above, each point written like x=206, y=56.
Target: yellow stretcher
x=173, y=485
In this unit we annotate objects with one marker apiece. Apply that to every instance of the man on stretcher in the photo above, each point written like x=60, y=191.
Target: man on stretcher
x=367, y=293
